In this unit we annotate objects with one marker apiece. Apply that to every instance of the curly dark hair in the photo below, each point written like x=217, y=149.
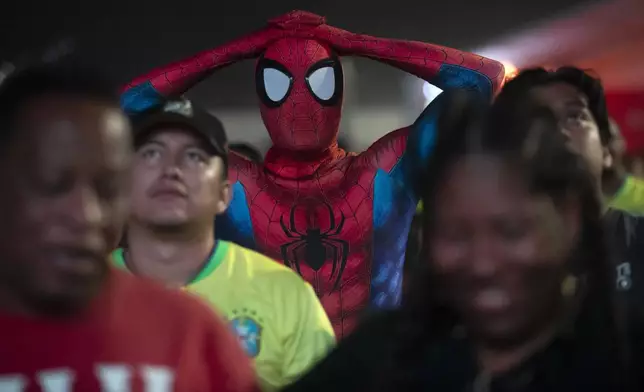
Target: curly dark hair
x=517, y=88
x=528, y=138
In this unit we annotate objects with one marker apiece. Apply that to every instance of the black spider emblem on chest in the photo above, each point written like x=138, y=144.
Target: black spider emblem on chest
x=314, y=246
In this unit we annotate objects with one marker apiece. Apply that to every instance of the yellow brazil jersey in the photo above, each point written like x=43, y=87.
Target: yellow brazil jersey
x=630, y=197
x=276, y=315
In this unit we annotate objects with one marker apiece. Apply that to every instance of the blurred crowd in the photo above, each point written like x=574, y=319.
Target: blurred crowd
x=521, y=271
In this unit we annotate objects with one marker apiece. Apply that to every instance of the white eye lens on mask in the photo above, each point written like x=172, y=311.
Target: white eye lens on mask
x=322, y=83
x=276, y=84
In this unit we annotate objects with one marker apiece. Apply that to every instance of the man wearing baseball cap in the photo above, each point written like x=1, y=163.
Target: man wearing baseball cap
x=179, y=185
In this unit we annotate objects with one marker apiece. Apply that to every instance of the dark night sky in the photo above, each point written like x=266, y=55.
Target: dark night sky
x=131, y=37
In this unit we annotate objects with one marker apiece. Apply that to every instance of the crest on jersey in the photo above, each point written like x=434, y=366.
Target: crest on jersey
x=248, y=330
x=624, y=281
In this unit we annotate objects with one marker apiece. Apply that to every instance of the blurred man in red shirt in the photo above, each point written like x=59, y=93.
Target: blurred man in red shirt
x=68, y=322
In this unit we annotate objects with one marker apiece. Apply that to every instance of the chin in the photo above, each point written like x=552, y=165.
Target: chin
x=502, y=334
x=306, y=143
x=309, y=147
x=59, y=306
x=65, y=302
x=170, y=220
x=60, y=294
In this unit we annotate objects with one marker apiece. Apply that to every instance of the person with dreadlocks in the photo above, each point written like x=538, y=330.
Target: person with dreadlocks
x=515, y=289
x=578, y=102
x=412, y=251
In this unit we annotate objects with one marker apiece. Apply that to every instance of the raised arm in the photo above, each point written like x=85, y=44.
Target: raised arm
x=176, y=78
x=443, y=67
x=405, y=153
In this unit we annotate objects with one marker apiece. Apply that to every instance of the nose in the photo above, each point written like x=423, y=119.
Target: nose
x=172, y=170
x=301, y=100
x=85, y=208
x=172, y=166
x=484, y=259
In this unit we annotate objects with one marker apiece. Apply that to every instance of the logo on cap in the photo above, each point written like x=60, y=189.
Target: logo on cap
x=179, y=107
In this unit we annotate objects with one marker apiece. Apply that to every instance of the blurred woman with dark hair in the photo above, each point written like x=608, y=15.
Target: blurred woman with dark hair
x=515, y=290
x=413, y=256
x=578, y=102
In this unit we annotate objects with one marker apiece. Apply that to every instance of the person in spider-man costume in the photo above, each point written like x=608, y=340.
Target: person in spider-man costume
x=340, y=220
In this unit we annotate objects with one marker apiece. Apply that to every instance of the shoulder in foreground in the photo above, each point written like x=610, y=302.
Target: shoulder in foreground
x=358, y=360
x=380, y=322
x=239, y=164
x=617, y=218
x=152, y=301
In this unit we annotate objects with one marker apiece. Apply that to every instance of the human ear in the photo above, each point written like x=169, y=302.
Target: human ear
x=225, y=195
x=607, y=158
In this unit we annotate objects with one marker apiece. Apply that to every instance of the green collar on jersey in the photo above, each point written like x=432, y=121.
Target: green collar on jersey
x=215, y=259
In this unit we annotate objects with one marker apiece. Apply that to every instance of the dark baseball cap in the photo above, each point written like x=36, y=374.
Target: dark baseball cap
x=184, y=115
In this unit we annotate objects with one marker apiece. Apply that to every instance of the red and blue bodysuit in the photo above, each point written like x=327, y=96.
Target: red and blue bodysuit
x=340, y=220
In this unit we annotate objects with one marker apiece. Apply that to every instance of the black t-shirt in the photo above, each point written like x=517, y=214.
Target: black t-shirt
x=625, y=235
x=362, y=362
x=571, y=363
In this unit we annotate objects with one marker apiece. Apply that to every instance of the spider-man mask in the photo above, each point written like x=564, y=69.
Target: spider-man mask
x=300, y=83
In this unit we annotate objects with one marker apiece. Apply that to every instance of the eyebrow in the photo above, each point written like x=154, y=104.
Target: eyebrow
x=577, y=102
x=196, y=145
x=153, y=141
